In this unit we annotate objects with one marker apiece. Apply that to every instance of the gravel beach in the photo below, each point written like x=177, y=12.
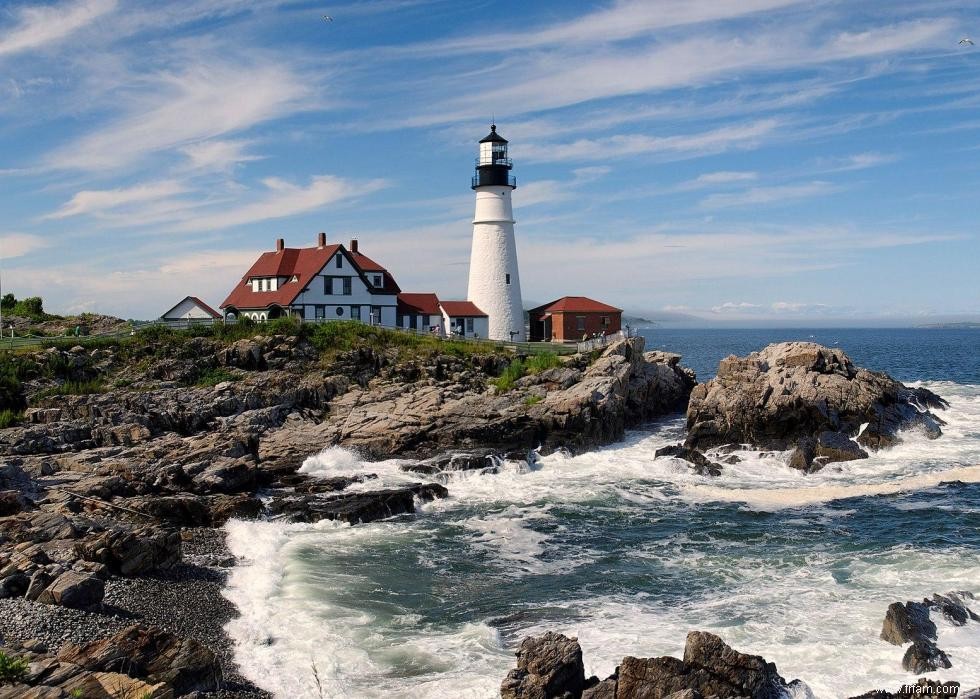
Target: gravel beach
x=185, y=600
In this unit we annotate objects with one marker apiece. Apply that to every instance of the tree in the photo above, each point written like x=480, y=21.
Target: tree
x=7, y=302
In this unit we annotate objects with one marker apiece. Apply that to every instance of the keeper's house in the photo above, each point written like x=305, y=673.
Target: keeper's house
x=573, y=318
x=326, y=282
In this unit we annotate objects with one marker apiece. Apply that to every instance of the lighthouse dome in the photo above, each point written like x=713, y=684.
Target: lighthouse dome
x=493, y=136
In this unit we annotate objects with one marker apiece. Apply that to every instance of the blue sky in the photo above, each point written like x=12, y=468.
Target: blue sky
x=749, y=161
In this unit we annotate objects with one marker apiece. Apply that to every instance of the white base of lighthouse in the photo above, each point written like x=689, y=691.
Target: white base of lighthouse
x=495, y=282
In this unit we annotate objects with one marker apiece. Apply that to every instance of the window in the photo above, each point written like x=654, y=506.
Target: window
x=340, y=261
x=340, y=310
x=580, y=322
x=375, y=315
x=469, y=325
x=508, y=279
x=347, y=286
x=605, y=320
x=328, y=286
x=413, y=322
x=355, y=312
x=378, y=281
x=320, y=312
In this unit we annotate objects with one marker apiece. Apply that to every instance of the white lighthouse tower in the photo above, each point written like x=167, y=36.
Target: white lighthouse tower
x=495, y=283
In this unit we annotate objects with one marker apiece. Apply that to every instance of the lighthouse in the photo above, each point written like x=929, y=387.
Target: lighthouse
x=495, y=283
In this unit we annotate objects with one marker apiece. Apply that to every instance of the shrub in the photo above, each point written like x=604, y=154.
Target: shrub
x=542, y=362
x=9, y=418
x=515, y=370
x=12, y=669
x=212, y=377
x=532, y=400
x=73, y=388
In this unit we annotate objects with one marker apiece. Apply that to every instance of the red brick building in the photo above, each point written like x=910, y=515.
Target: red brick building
x=571, y=318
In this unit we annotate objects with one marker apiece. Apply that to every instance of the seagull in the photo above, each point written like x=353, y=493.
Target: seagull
x=328, y=18
x=966, y=41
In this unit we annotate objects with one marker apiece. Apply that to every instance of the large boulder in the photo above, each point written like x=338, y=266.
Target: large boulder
x=795, y=391
x=74, y=589
x=547, y=666
x=356, y=507
x=551, y=666
x=151, y=654
x=907, y=622
x=133, y=552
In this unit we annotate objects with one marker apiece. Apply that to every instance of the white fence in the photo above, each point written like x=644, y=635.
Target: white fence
x=600, y=342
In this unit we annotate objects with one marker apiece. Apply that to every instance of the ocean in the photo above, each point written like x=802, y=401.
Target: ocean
x=629, y=553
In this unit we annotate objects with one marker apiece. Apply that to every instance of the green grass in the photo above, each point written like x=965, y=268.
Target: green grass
x=542, y=362
x=9, y=418
x=520, y=367
x=12, y=669
x=212, y=377
x=532, y=400
x=74, y=388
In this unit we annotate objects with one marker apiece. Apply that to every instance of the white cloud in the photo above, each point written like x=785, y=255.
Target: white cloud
x=858, y=161
x=181, y=109
x=724, y=177
x=20, y=244
x=38, y=26
x=626, y=19
x=98, y=201
x=716, y=140
x=733, y=307
x=283, y=199
x=767, y=195
x=217, y=154
x=135, y=289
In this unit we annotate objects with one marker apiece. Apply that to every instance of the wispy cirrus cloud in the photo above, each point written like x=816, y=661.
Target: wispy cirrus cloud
x=96, y=202
x=179, y=109
x=716, y=140
x=777, y=194
x=45, y=24
x=20, y=244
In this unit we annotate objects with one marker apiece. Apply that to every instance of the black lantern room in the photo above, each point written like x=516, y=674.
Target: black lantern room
x=493, y=166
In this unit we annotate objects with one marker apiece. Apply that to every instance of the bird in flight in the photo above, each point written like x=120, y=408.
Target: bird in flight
x=966, y=41
x=328, y=18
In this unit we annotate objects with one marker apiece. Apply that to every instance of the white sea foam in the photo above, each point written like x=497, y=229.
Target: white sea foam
x=308, y=593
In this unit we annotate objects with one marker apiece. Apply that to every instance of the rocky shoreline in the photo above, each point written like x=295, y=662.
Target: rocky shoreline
x=131, y=458
x=111, y=500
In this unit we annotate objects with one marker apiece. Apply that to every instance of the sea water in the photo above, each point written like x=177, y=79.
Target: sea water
x=629, y=553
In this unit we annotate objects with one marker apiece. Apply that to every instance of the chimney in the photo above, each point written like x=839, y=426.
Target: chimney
x=353, y=245
x=280, y=244
x=321, y=240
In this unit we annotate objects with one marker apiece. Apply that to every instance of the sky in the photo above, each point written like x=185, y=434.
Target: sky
x=727, y=161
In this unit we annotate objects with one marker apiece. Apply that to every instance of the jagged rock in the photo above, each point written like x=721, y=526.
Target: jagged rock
x=226, y=476
x=953, y=607
x=547, y=666
x=75, y=590
x=701, y=464
x=924, y=656
x=797, y=390
x=356, y=507
x=907, y=622
x=112, y=685
x=151, y=654
x=551, y=666
x=13, y=502
x=133, y=552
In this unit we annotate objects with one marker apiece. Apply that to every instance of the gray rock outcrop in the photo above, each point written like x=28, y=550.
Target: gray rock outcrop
x=551, y=666
x=813, y=398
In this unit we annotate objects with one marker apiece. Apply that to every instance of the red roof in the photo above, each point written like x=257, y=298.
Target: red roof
x=305, y=264
x=576, y=304
x=423, y=304
x=462, y=309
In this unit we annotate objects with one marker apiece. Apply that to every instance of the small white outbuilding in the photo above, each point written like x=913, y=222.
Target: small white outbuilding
x=191, y=308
